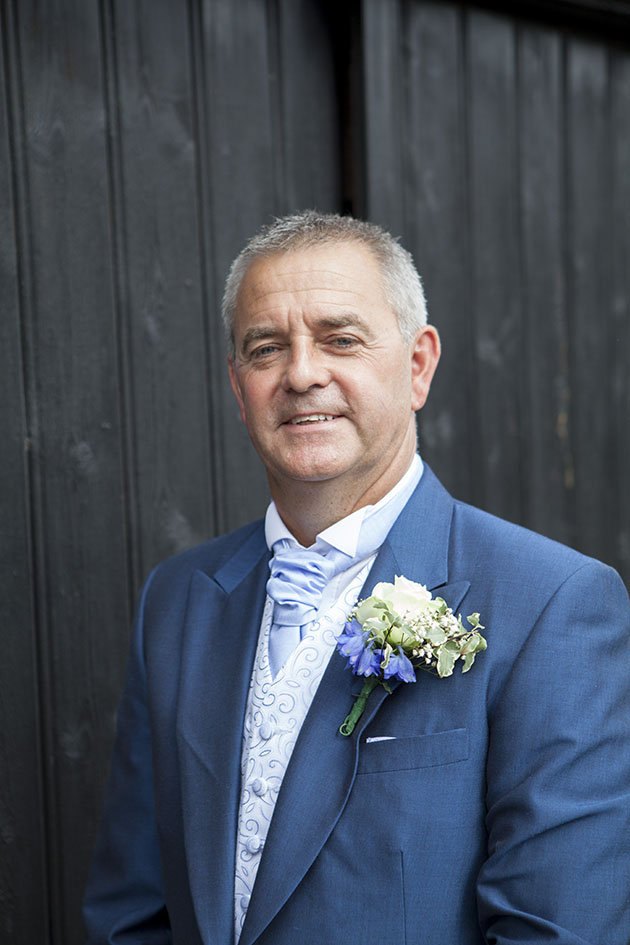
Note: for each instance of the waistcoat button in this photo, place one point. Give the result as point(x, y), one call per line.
point(254, 844)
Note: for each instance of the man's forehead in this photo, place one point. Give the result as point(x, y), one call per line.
point(338, 268)
point(338, 257)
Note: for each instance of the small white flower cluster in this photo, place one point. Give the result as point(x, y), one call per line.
point(404, 616)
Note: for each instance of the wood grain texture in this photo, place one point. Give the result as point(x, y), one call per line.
point(546, 453)
point(435, 201)
point(23, 880)
point(590, 202)
point(383, 113)
point(619, 373)
point(161, 304)
point(496, 307)
point(80, 516)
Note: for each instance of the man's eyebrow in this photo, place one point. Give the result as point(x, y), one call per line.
point(346, 320)
point(259, 333)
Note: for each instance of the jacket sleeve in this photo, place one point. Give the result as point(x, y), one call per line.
point(558, 775)
point(124, 903)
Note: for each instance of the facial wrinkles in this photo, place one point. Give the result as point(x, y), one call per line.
point(305, 333)
point(259, 302)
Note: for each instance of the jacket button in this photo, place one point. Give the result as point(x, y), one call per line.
point(267, 730)
point(259, 786)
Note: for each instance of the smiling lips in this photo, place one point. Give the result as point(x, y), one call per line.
point(312, 418)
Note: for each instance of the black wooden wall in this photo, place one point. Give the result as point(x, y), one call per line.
point(141, 142)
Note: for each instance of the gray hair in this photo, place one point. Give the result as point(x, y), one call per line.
point(400, 279)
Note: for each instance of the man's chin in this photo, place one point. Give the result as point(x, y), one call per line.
point(308, 472)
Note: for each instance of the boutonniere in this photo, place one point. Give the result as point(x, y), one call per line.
point(399, 628)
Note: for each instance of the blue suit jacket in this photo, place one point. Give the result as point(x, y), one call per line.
point(499, 813)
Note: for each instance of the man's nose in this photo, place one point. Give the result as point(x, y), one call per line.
point(305, 367)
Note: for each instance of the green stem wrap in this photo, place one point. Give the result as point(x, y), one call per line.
point(347, 727)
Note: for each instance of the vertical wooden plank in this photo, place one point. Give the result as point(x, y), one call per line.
point(590, 305)
point(80, 514)
point(547, 456)
point(310, 126)
point(22, 822)
point(161, 291)
point(495, 298)
point(435, 201)
point(620, 294)
point(384, 113)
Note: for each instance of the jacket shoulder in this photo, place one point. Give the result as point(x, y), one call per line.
point(512, 552)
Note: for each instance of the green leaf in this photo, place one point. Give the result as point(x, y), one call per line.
point(473, 620)
point(446, 662)
point(471, 644)
point(435, 636)
point(469, 659)
point(440, 606)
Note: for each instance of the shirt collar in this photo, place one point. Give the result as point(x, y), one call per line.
point(344, 534)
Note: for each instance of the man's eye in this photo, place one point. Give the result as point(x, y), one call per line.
point(343, 341)
point(263, 350)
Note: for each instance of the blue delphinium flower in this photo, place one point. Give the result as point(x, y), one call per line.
point(354, 643)
point(369, 662)
point(400, 666)
point(353, 639)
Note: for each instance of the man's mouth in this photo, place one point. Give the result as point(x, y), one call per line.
point(313, 418)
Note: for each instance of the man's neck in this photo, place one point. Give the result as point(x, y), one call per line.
point(307, 508)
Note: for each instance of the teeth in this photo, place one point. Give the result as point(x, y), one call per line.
point(313, 418)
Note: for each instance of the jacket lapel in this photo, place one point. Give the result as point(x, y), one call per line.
point(324, 763)
point(219, 644)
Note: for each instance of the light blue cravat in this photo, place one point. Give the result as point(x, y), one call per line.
point(298, 578)
point(300, 575)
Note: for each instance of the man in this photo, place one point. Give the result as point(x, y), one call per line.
point(486, 807)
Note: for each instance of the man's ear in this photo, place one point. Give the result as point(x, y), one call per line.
point(425, 354)
point(236, 387)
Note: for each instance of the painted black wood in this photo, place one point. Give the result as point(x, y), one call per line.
point(500, 167)
point(604, 17)
point(23, 874)
point(79, 511)
point(589, 206)
point(546, 446)
point(619, 314)
point(160, 304)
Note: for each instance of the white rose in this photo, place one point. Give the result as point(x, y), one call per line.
point(404, 596)
point(368, 613)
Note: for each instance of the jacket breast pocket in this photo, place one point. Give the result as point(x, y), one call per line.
point(415, 751)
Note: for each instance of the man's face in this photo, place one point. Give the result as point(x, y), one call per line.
point(326, 385)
